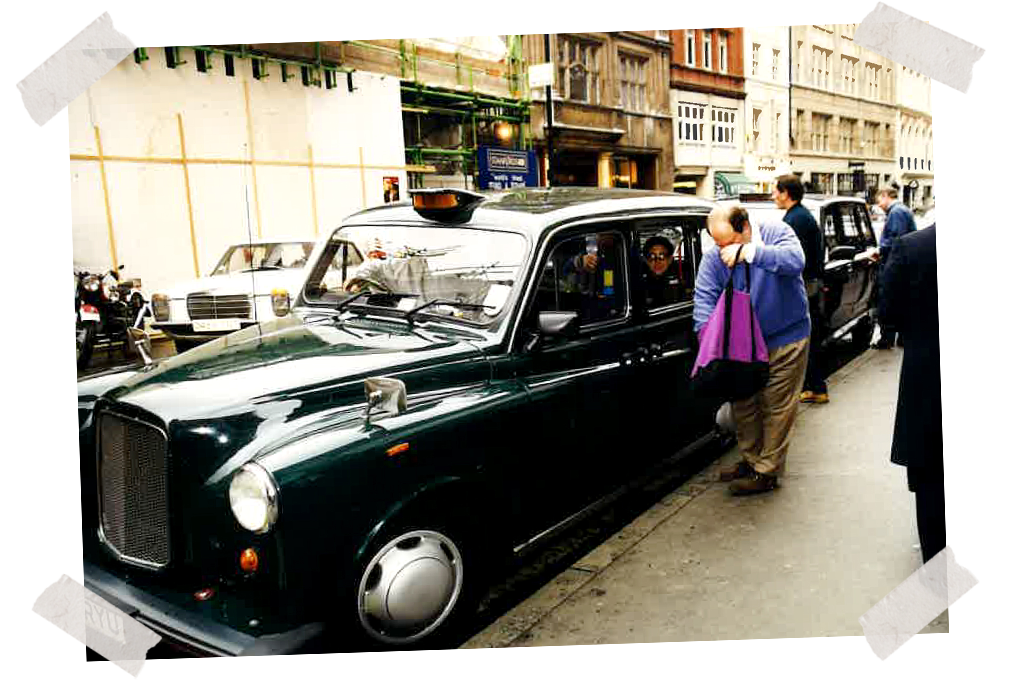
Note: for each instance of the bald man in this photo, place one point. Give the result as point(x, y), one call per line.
point(776, 260)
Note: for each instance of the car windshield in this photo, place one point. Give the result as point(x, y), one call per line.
point(238, 258)
point(464, 274)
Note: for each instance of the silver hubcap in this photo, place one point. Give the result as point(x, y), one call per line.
point(410, 587)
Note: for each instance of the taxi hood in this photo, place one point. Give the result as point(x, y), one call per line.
point(293, 360)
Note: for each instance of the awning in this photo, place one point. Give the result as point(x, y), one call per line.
point(734, 183)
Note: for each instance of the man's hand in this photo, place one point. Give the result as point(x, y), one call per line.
point(590, 262)
point(729, 254)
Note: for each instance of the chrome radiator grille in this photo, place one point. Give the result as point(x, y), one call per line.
point(200, 306)
point(134, 500)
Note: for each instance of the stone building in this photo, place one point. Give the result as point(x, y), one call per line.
point(611, 109)
point(843, 116)
point(707, 98)
point(915, 139)
point(766, 78)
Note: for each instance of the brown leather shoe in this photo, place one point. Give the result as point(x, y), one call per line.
point(755, 483)
point(737, 471)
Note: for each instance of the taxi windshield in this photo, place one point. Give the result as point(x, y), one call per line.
point(238, 258)
point(463, 274)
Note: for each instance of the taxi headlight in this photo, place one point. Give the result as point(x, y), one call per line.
point(280, 302)
point(160, 307)
point(91, 283)
point(253, 497)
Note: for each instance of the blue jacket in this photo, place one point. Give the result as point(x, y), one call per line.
point(777, 285)
point(898, 222)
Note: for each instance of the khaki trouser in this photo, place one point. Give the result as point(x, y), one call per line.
point(765, 421)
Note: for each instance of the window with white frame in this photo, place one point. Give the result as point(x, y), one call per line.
point(706, 50)
point(689, 46)
point(847, 127)
point(820, 66)
point(690, 123)
point(849, 66)
point(777, 134)
point(799, 136)
point(819, 131)
point(633, 82)
point(724, 126)
point(756, 127)
point(723, 54)
point(578, 69)
point(872, 72)
point(775, 64)
point(755, 55)
point(799, 59)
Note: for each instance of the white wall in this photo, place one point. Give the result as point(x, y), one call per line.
point(138, 110)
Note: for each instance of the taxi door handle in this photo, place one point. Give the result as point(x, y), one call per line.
point(636, 356)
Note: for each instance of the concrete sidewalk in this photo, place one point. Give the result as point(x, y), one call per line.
point(805, 561)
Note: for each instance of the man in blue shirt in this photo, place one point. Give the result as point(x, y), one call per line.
point(898, 222)
point(776, 259)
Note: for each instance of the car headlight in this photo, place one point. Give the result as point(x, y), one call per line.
point(160, 307)
point(280, 302)
point(253, 498)
point(92, 283)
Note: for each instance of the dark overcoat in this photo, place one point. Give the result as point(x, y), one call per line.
point(909, 303)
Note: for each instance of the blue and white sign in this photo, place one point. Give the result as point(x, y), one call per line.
point(506, 168)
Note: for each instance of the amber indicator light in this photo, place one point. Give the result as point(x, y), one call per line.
point(398, 448)
point(249, 560)
point(434, 201)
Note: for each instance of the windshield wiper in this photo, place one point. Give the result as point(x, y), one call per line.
point(349, 300)
point(452, 303)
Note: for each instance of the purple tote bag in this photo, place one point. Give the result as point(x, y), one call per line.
point(732, 362)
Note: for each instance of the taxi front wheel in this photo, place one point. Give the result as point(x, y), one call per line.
point(416, 585)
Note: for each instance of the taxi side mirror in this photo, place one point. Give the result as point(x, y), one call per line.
point(558, 324)
point(386, 395)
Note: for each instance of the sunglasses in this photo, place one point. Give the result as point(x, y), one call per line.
point(657, 257)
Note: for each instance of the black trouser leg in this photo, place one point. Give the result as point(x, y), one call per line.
point(814, 380)
point(930, 517)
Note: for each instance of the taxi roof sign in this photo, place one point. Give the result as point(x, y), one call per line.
point(445, 205)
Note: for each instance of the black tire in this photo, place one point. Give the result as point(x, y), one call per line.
point(863, 331)
point(86, 333)
point(442, 627)
point(184, 345)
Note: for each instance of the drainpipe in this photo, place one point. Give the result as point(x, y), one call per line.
point(789, 113)
point(549, 115)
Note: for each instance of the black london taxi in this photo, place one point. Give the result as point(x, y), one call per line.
point(493, 369)
point(849, 295)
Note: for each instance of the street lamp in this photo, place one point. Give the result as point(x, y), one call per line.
point(504, 131)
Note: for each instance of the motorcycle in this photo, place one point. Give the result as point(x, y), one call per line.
point(105, 308)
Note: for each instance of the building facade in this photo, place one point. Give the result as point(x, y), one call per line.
point(766, 77)
point(915, 140)
point(707, 97)
point(464, 91)
point(843, 116)
point(611, 110)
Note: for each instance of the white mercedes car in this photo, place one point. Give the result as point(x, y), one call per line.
point(252, 282)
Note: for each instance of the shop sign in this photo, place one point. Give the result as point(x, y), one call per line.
point(506, 168)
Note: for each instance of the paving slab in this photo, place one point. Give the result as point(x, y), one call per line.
point(807, 560)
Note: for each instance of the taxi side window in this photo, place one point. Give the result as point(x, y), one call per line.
point(585, 274)
point(850, 230)
point(665, 265)
point(831, 236)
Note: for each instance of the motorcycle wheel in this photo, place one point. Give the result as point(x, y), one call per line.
point(85, 343)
